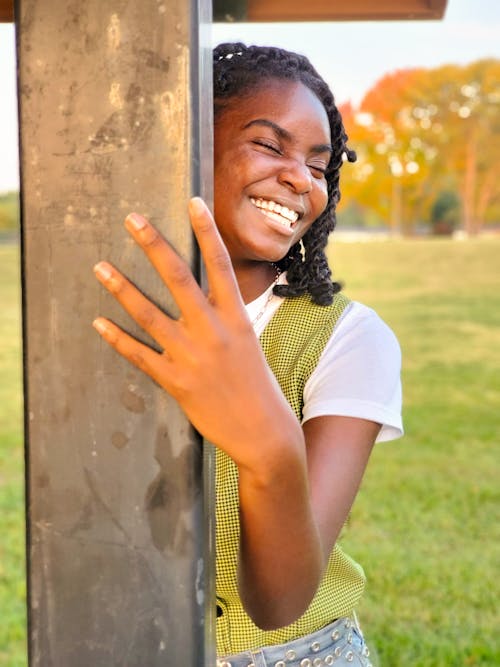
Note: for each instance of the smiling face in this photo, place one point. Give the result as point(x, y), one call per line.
point(271, 151)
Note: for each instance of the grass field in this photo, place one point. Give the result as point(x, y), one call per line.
point(425, 525)
point(12, 587)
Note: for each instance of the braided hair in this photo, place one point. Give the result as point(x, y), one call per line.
point(238, 71)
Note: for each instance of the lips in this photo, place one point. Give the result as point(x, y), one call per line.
point(276, 211)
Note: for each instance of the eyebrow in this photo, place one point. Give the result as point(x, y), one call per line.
point(284, 134)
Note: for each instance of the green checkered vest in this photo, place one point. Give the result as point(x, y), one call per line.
point(292, 343)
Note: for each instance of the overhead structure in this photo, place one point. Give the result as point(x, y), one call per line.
point(310, 10)
point(326, 10)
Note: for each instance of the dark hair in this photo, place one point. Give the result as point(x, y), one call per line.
point(239, 69)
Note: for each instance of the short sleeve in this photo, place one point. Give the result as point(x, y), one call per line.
point(359, 373)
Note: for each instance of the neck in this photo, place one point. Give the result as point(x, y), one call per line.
point(254, 279)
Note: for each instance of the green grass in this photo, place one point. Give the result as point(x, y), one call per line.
point(12, 571)
point(424, 525)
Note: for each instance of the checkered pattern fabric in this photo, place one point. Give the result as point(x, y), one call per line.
point(292, 342)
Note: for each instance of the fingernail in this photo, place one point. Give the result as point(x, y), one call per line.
point(103, 271)
point(197, 205)
point(99, 325)
point(136, 221)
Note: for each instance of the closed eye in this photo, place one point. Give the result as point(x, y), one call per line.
point(267, 145)
point(320, 169)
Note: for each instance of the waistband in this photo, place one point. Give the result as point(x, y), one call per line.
point(339, 640)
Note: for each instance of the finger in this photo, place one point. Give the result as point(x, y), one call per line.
point(148, 316)
point(173, 270)
point(142, 356)
point(220, 273)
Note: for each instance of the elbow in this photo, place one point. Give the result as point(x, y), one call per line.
point(275, 613)
point(269, 622)
point(274, 597)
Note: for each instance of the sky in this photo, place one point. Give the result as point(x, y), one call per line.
point(351, 56)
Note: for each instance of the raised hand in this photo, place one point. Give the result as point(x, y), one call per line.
point(211, 362)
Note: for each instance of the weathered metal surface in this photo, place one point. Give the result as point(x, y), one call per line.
point(109, 110)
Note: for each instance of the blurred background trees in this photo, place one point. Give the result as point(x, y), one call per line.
point(428, 145)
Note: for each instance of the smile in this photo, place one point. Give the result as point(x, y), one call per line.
point(276, 212)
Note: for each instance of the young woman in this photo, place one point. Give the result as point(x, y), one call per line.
point(294, 414)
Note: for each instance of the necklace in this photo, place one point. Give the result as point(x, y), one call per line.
point(269, 297)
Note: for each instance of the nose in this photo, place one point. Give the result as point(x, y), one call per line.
point(296, 176)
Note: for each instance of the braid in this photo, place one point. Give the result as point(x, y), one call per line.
point(238, 71)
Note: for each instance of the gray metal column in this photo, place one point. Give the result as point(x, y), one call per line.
point(111, 97)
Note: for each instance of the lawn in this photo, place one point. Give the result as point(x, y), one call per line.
point(425, 525)
point(12, 586)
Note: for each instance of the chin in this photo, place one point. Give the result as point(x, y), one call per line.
point(273, 253)
point(273, 258)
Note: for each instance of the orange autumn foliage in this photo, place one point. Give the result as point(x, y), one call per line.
point(420, 132)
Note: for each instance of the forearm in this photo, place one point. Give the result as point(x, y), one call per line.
point(281, 555)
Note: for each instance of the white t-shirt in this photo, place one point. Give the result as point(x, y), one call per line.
point(358, 374)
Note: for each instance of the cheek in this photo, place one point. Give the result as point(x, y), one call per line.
point(223, 182)
point(230, 171)
point(321, 198)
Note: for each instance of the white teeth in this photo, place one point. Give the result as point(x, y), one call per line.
point(278, 218)
point(277, 210)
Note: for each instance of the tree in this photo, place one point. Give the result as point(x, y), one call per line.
point(419, 132)
point(445, 212)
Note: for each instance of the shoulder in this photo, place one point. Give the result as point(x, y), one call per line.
point(362, 327)
point(358, 373)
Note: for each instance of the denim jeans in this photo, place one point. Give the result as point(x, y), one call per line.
point(341, 644)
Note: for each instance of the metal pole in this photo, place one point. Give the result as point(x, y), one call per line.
point(110, 109)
